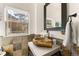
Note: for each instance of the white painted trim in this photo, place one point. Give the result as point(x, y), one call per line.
point(35, 6)
point(21, 34)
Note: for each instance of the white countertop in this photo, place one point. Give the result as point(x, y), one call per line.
point(43, 51)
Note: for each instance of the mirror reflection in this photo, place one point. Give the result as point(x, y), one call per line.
point(53, 16)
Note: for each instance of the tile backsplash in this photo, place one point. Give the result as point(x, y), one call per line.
point(16, 46)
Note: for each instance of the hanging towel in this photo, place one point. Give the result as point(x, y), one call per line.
point(71, 36)
point(67, 40)
point(75, 37)
point(76, 33)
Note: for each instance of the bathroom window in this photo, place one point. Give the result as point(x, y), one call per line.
point(17, 21)
point(18, 27)
point(15, 15)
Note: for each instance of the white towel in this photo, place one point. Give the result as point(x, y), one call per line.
point(75, 36)
point(66, 41)
point(75, 33)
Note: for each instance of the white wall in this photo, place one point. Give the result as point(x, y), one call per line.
point(36, 13)
point(40, 17)
point(73, 8)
